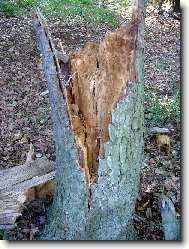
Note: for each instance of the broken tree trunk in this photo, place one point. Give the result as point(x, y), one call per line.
point(97, 111)
point(21, 185)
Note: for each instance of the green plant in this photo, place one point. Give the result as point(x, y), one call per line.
point(6, 8)
point(99, 15)
point(4, 235)
point(87, 9)
point(164, 63)
point(161, 111)
point(121, 6)
point(16, 7)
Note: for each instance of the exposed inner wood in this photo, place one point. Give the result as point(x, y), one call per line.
point(100, 73)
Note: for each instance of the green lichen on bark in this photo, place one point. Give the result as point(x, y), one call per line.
point(114, 195)
point(69, 208)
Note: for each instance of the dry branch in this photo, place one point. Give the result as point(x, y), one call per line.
point(21, 185)
point(158, 130)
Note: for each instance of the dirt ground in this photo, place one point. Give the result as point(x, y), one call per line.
point(26, 114)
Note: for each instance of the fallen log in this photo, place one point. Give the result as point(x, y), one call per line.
point(21, 185)
point(158, 130)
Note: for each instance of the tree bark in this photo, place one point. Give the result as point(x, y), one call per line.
point(176, 5)
point(97, 112)
point(170, 221)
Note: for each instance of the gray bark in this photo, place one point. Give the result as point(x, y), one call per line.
point(170, 222)
point(113, 196)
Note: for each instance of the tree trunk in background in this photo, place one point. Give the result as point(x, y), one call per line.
point(98, 130)
point(176, 5)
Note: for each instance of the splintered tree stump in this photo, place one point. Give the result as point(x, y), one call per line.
point(99, 76)
point(93, 93)
point(97, 111)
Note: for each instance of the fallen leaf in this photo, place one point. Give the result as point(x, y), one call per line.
point(24, 139)
point(44, 93)
point(149, 213)
point(163, 143)
point(31, 154)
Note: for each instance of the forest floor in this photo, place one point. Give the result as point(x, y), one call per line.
point(26, 115)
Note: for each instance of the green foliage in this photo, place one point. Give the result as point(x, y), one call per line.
point(161, 111)
point(121, 5)
point(152, 2)
point(15, 7)
point(99, 15)
point(4, 235)
point(7, 7)
point(87, 9)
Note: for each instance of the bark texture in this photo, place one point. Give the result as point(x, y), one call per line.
point(98, 129)
point(170, 222)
